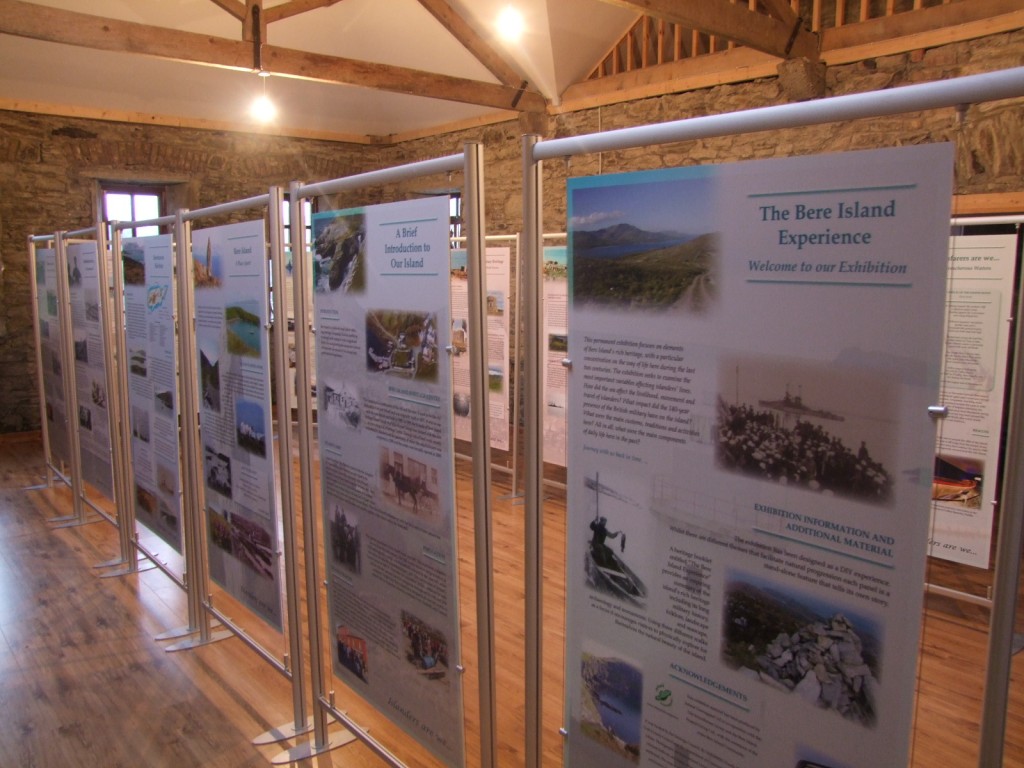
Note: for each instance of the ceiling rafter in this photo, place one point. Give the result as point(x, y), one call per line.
point(235, 7)
point(735, 22)
point(294, 8)
point(472, 41)
point(781, 10)
point(37, 22)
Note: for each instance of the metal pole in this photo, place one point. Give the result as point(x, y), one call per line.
point(384, 176)
point(302, 287)
point(480, 416)
point(972, 89)
point(279, 330)
point(1008, 561)
point(533, 439)
point(517, 387)
point(258, 201)
point(70, 390)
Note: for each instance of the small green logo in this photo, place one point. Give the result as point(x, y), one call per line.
point(663, 695)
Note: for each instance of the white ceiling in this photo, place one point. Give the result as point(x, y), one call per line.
point(564, 40)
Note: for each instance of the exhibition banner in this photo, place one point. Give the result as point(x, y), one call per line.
point(151, 342)
point(973, 383)
point(755, 347)
point(233, 361)
point(50, 349)
point(90, 365)
point(498, 313)
point(556, 330)
point(381, 277)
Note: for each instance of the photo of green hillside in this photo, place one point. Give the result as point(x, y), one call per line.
point(680, 276)
point(644, 242)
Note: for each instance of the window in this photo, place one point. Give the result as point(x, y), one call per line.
point(455, 215)
point(133, 203)
point(307, 221)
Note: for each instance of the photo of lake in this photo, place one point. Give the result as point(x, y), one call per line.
point(243, 328)
point(643, 242)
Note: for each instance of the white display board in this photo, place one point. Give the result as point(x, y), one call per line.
point(381, 310)
point(556, 335)
point(50, 350)
point(755, 347)
point(233, 363)
point(973, 386)
point(150, 340)
point(90, 365)
point(498, 359)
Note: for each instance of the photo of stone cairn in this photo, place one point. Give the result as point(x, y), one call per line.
point(826, 662)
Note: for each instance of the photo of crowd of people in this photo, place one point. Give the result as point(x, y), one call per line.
point(352, 652)
point(425, 647)
point(774, 434)
point(754, 441)
point(345, 540)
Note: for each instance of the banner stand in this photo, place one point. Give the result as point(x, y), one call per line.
point(954, 92)
point(115, 456)
point(471, 163)
point(1008, 544)
point(51, 471)
point(200, 602)
point(516, 388)
point(301, 286)
point(194, 543)
point(125, 480)
point(301, 722)
point(67, 355)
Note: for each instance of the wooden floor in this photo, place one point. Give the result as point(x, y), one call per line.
point(83, 682)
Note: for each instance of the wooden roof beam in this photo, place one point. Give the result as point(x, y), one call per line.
point(37, 22)
point(473, 42)
point(781, 10)
point(235, 7)
point(735, 22)
point(294, 8)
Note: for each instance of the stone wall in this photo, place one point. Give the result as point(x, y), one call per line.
point(989, 138)
point(49, 165)
point(49, 171)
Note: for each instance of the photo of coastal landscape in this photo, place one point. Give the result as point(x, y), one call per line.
point(133, 261)
point(243, 328)
point(611, 701)
point(640, 244)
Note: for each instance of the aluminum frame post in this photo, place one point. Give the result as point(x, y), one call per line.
point(279, 331)
point(533, 439)
point(480, 418)
point(517, 354)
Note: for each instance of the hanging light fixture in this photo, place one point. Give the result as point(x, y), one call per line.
point(262, 109)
